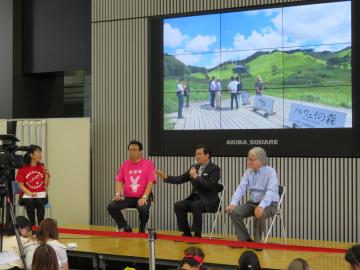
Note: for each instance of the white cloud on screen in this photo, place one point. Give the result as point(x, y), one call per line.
point(200, 43)
point(326, 23)
point(188, 59)
point(173, 36)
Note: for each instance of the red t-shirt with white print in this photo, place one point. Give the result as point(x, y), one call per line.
point(136, 177)
point(33, 178)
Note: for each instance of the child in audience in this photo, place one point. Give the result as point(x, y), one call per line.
point(45, 258)
point(352, 256)
point(48, 234)
point(193, 259)
point(249, 261)
point(10, 242)
point(299, 264)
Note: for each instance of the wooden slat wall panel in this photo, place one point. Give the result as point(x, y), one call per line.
point(321, 201)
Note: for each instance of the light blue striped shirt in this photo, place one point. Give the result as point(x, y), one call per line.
point(263, 186)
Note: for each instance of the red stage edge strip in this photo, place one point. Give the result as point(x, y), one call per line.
point(219, 242)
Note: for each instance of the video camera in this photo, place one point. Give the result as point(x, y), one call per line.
point(8, 158)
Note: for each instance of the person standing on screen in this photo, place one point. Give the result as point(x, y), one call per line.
point(232, 87)
point(187, 92)
point(262, 182)
point(33, 178)
point(133, 188)
point(212, 89)
point(204, 177)
point(259, 85)
point(180, 94)
point(218, 94)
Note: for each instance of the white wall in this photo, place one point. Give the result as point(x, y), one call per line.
point(68, 152)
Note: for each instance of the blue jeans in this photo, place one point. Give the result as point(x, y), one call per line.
point(234, 96)
point(181, 104)
point(212, 103)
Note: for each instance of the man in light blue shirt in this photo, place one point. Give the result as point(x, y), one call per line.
point(262, 182)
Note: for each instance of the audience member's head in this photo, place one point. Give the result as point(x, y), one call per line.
point(193, 258)
point(47, 230)
point(44, 258)
point(24, 227)
point(352, 256)
point(299, 264)
point(249, 261)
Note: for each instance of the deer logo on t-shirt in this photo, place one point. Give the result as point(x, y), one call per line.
point(134, 183)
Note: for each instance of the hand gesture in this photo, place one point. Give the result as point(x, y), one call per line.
point(117, 197)
point(193, 173)
point(142, 201)
point(230, 208)
point(258, 212)
point(161, 174)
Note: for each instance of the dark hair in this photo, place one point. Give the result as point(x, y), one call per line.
point(193, 256)
point(47, 230)
point(352, 255)
point(137, 143)
point(32, 149)
point(249, 261)
point(298, 264)
point(22, 222)
point(206, 149)
point(232, 78)
point(44, 258)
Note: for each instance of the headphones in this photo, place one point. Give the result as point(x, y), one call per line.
point(196, 258)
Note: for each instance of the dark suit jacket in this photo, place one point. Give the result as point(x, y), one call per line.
point(206, 185)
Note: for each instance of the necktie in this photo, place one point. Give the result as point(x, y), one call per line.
point(201, 168)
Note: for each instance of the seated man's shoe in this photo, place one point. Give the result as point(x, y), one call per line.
point(235, 247)
point(256, 249)
point(249, 240)
point(141, 229)
point(186, 234)
point(127, 228)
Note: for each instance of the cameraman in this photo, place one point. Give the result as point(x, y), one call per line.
point(33, 177)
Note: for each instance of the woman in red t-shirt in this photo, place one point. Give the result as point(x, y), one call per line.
point(33, 177)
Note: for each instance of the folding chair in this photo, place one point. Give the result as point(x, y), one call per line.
point(16, 193)
point(134, 210)
point(221, 188)
point(279, 213)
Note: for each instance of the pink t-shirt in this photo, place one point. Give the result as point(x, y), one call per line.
point(136, 177)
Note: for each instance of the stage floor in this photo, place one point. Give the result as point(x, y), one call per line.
point(170, 252)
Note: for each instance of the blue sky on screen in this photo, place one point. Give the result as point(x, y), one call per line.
point(209, 40)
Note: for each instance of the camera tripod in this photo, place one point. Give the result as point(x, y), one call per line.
point(6, 201)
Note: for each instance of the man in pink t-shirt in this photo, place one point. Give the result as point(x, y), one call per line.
point(133, 187)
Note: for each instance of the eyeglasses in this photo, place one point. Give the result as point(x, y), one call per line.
point(252, 159)
point(133, 150)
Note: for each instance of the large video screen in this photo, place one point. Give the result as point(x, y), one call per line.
point(271, 68)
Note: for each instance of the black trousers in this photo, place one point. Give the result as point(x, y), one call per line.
point(114, 208)
point(35, 203)
point(194, 205)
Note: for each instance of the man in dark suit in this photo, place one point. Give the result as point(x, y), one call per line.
point(204, 177)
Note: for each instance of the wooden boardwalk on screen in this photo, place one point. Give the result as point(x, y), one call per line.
point(200, 115)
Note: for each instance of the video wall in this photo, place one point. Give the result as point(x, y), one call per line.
point(272, 68)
